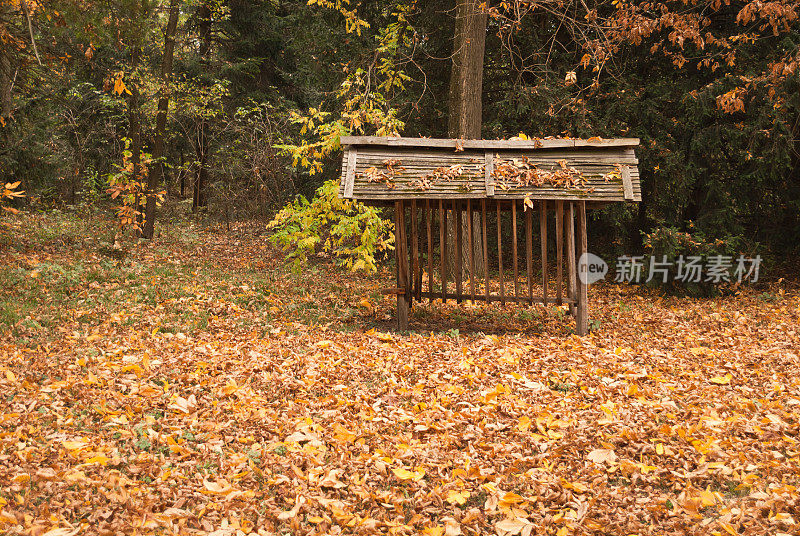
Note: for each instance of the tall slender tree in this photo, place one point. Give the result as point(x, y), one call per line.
point(157, 173)
point(204, 31)
point(465, 100)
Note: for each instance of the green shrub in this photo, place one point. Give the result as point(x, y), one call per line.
point(352, 231)
point(673, 244)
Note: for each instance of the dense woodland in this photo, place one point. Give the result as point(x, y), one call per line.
point(236, 107)
point(180, 355)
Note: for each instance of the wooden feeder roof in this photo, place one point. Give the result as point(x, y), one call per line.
point(378, 170)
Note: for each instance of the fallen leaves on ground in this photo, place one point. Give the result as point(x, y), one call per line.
point(677, 417)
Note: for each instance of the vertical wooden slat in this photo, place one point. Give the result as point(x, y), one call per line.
point(529, 250)
point(559, 249)
point(488, 165)
point(414, 252)
point(543, 240)
point(471, 246)
point(571, 271)
point(459, 251)
point(500, 256)
point(429, 224)
point(485, 248)
point(514, 246)
point(583, 297)
point(350, 177)
point(627, 184)
point(402, 260)
point(443, 249)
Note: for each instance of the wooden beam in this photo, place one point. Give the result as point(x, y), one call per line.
point(529, 248)
point(514, 246)
point(571, 267)
point(471, 245)
point(491, 298)
point(485, 144)
point(485, 248)
point(559, 249)
point(488, 163)
point(627, 185)
point(350, 177)
point(402, 260)
point(543, 241)
point(415, 273)
point(458, 252)
point(443, 248)
point(583, 298)
point(428, 225)
point(500, 256)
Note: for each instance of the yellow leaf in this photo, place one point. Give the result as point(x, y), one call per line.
point(385, 337)
point(102, 460)
point(342, 434)
point(722, 380)
point(659, 449)
point(524, 423)
point(10, 376)
point(221, 487)
point(599, 456)
point(457, 497)
point(405, 474)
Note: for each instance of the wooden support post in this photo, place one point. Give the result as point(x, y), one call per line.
point(428, 225)
point(514, 244)
point(443, 248)
point(471, 245)
point(559, 249)
point(543, 240)
point(571, 269)
point(529, 250)
point(485, 248)
point(582, 321)
point(415, 273)
point(402, 260)
point(500, 256)
point(459, 233)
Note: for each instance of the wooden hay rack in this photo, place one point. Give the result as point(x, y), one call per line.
point(472, 182)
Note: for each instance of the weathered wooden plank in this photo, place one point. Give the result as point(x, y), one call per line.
point(414, 251)
point(571, 268)
point(488, 170)
point(500, 256)
point(484, 225)
point(471, 246)
point(493, 298)
point(442, 248)
point(429, 224)
point(514, 246)
point(582, 321)
point(627, 185)
point(349, 181)
point(485, 144)
point(543, 242)
point(402, 259)
point(458, 252)
point(559, 249)
point(529, 249)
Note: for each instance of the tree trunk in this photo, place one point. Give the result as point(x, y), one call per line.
point(135, 135)
point(465, 107)
point(157, 173)
point(199, 195)
point(5, 83)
